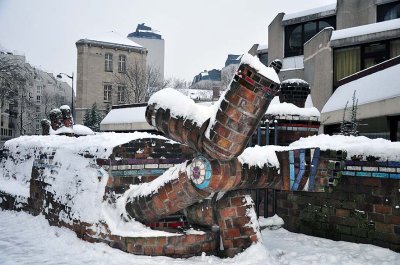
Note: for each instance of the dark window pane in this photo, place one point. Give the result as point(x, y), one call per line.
point(310, 29)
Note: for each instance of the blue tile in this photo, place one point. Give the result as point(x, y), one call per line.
point(363, 174)
point(380, 175)
point(395, 176)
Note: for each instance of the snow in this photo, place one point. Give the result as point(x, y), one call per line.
point(309, 103)
point(125, 115)
point(263, 70)
point(354, 145)
point(80, 129)
point(261, 155)
point(360, 145)
point(371, 88)
point(197, 94)
point(25, 239)
point(366, 29)
point(168, 98)
point(291, 109)
point(323, 11)
point(294, 62)
point(273, 222)
point(113, 38)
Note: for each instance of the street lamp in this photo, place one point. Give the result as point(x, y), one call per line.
point(72, 94)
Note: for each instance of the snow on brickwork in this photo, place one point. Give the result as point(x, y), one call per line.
point(291, 109)
point(263, 70)
point(353, 145)
point(180, 105)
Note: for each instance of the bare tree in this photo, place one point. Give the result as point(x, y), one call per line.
point(140, 81)
point(14, 76)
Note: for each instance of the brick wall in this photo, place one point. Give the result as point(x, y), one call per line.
point(359, 209)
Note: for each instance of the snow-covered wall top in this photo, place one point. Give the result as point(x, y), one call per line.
point(263, 70)
point(360, 145)
point(99, 145)
point(323, 11)
point(371, 88)
point(366, 29)
point(354, 146)
point(291, 109)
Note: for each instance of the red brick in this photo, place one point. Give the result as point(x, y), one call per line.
point(232, 233)
point(393, 219)
point(342, 213)
point(228, 212)
point(237, 201)
point(386, 228)
point(384, 209)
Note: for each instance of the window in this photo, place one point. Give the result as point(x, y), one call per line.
point(37, 125)
point(38, 90)
point(108, 62)
point(350, 60)
point(388, 11)
point(374, 53)
point(37, 108)
point(107, 93)
point(394, 48)
point(38, 99)
point(298, 34)
point(121, 94)
point(122, 64)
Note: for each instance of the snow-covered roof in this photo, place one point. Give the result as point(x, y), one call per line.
point(126, 119)
point(375, 87)
point(366, 29)
point(112, 37)
point(326, 10)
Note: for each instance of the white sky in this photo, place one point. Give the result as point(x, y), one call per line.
point(198, 34)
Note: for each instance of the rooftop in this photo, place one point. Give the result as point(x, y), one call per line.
point(146, 32)
point(110, 38)
point(322, 11)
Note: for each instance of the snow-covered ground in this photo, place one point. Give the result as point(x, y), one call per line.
point(25, 239)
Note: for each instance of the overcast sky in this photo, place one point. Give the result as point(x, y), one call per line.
point(198, 34)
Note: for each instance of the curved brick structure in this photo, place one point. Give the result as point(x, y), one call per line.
point(170, 198)
point(183, 130)
point(240, 111)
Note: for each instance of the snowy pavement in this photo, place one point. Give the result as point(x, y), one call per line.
point(25, 239)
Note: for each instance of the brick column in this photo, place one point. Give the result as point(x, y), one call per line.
point(240, 111)
point(237, 227)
